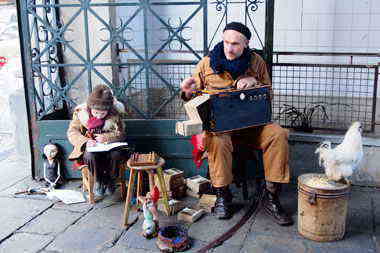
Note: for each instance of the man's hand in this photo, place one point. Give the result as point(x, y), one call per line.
point(188, 86)
point(246, 83)
point(91, 143)
point(100, 138)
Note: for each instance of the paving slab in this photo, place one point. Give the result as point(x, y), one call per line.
point(133, 238)
point(17, 212)
point(263, 224)
point(360, 219)
point(25, 242)
point(110, 216)
point(238, 238)
point(23, 185)
point(196, 245)
point(51, 222)
point(12, 171)
point(375, 195)
point(120, 249)
point(200, 230)
point(9, 226)
point(376, 211)
point(352, 242)
point(22, 208)
point(226, 248)
point(360, 213)
point(77, 208)
point(81, 238)
point(272, 243)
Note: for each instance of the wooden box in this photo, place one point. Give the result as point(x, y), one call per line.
point(198, 184)
point(207, 202)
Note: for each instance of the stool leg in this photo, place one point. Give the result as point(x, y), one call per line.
point(129, 196)
point(84, 183)
point(151, 180)
point(123, 188)
point(84, 179)
point(91, 182)
point(164, 190)
point(139, 185)
point(88, 184)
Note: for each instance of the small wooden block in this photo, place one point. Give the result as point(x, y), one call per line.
point(207, 202)
point(190, 215)
point(173, 179)
point(198, 184)
point(179, 192)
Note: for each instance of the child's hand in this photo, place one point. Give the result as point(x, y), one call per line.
point(91, 143)
point(100, 138)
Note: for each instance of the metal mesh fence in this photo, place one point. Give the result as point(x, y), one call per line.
point(324, 96)
point(307, 96)
point(157, 98)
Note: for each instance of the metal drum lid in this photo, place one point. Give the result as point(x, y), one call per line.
point(320, 181)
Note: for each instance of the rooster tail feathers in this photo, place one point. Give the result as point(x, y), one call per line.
point(326, 145)
point(321, 150)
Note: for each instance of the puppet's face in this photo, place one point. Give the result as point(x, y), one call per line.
point(50, 151)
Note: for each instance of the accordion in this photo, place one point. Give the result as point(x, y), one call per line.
point(227, 111)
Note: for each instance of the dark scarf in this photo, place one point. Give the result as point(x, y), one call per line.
point(94, 124)
point(237, 67)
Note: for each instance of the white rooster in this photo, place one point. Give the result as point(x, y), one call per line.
point(341, 161)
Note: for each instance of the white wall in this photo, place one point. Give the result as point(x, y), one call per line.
point(328, 26)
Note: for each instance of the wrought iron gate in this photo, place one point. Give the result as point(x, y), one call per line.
point(50, 38)
point(141, 49)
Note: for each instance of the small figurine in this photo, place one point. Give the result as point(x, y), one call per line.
point(150, 224)
point(52, 167)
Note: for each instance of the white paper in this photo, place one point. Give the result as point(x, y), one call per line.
point(101, 147)
point(67, 196)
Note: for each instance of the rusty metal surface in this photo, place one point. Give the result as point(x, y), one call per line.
point(322, 213)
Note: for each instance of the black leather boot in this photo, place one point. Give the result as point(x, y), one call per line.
point(223, 200)
point(273, 208)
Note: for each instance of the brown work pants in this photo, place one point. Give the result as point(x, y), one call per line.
point(272, 139)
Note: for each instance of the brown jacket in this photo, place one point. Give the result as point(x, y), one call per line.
point(207, 79)
point(113, 129)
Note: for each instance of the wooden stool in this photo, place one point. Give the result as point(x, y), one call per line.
point(88, 181)
point(151, 170)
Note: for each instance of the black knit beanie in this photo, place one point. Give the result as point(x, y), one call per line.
point(101, 98)
point(239, 27)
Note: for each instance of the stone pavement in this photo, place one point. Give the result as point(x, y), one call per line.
point(36, 224)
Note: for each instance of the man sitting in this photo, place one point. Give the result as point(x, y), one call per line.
point(231, 64)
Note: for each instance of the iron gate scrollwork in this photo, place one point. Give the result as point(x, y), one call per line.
point(141, 49)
